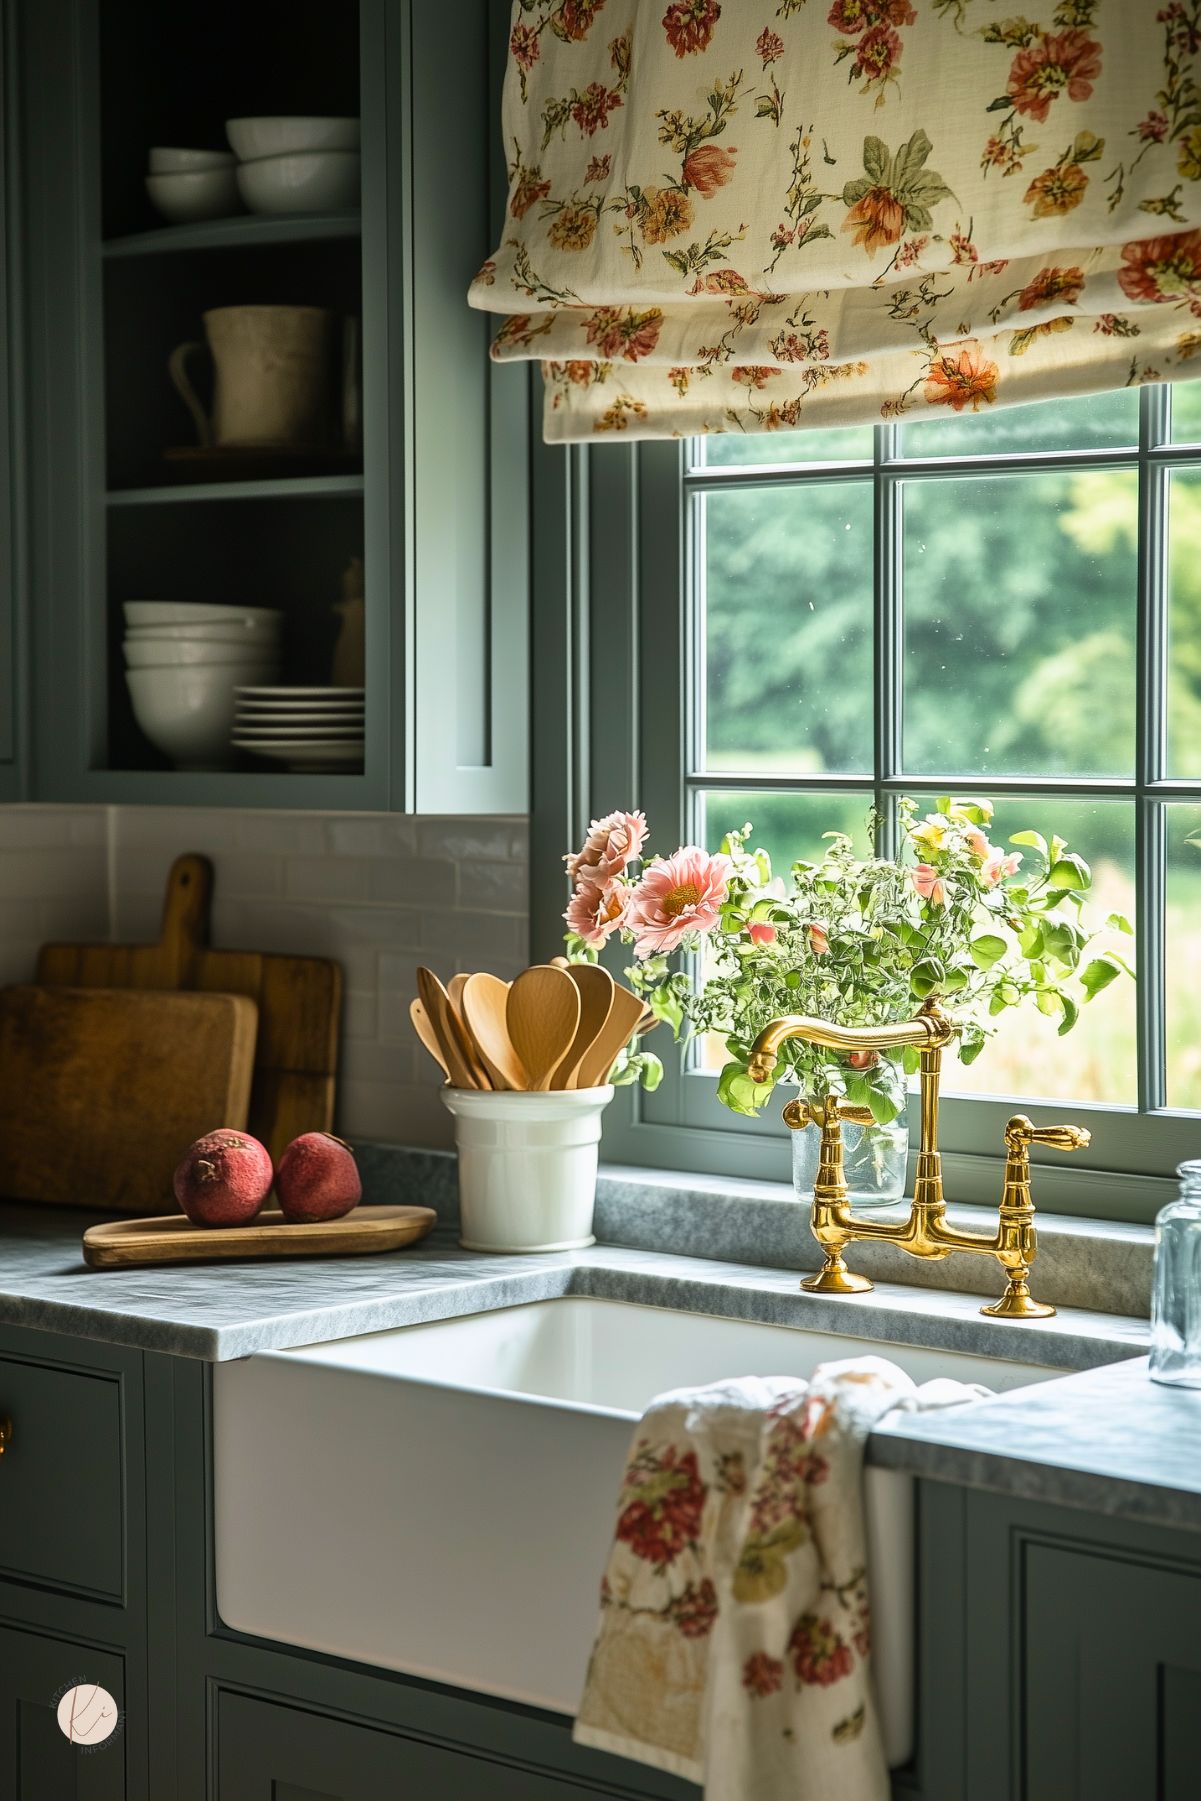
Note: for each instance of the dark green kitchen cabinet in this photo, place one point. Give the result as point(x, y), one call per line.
point(10, 419)
point(267, 1752)
point(431, 495)
point(38, 1761)
point(1083, 1656)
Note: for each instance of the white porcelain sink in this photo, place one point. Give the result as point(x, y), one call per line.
point(440, 1499)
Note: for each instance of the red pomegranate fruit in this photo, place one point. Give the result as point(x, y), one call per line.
point(317, 1179)
point(223, 1179)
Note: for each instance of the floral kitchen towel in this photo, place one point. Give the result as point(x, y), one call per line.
point(735, 1637)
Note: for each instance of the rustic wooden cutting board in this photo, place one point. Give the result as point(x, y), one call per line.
point(126, 1243)
point(102, 1090)
point(298, 998)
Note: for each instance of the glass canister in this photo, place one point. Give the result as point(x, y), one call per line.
point(1176, 1300)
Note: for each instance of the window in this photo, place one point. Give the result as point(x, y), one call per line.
point(1006, 605)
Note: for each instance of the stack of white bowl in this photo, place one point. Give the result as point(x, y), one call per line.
point(187, 185)
point(184, 664)
point(293, 165)
point(302, 728)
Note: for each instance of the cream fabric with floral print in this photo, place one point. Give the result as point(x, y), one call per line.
point(731, 216)
point(734, 1646)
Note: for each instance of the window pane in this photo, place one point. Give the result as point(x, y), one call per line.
point(1096, 1060)
point(788, 628)
point(1184, 622)
point(1183, 956)
point(1089, 422)
point(837, 444)
point(1186, 412)
point(1019, 624)
point(787, 826)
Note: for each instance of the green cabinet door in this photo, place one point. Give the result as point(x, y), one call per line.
point(1112, 1679)
point(1083, 1657)
point(271, 1752)
point(38, 1760)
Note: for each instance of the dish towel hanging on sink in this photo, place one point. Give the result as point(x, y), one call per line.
point(735, 1636)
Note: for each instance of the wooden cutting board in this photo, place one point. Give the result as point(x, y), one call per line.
point(298, 998)
point(126, 1243)
point(102, 1090)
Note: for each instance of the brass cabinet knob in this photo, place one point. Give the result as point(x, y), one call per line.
point(6, 1433)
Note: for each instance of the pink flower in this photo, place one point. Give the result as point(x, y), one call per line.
point(677, 895)
point(977, 843)
point(929, 884)
point(594, 913)
point(762, 933)
point(998, 865)
point(819, 943)
point(611, 845)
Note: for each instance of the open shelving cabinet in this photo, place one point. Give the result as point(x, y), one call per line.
point(436, 505)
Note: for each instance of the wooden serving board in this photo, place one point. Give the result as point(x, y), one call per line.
point(102, 1090)
point(298, 998)
point(126, 1243)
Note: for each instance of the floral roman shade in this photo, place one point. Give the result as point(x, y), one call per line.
point(750, 215)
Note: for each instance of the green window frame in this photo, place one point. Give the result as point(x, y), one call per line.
point(617, 676)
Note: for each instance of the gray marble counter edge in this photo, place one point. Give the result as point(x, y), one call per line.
point(440, 1282)
point(1142, 1499)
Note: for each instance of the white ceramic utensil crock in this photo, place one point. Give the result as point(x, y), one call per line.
point(527, 1167)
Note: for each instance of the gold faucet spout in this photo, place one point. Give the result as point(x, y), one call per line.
point(929, 1029)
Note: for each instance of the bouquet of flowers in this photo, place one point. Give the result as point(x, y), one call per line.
point(859, 941)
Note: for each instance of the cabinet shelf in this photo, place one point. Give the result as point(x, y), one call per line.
point(284, 487)
point(235, 234)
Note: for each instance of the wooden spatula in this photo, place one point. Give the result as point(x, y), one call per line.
point(543, 1015)
point(484, 1001)
point(621, 1025)
point(446, 1029)
point(427, 1035)
point(596, 999)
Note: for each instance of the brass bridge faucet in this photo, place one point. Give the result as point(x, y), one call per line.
point(925, 1233)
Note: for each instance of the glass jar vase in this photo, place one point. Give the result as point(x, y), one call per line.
point(1176, 1292)
point(874, 1161)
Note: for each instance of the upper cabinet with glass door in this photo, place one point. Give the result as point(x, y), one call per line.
point(278, 560)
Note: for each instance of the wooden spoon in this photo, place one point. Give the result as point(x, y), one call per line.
point(427, 1035)
point(444, 1022)
point(484, 1001)
point(454, 994)
point(596, 998)
point(454, 989)
point(542, 1014)
point(623, 1022)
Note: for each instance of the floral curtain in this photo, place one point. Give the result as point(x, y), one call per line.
point(750, 215)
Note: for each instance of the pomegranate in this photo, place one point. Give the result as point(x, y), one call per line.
point(223, 1179)
point(317, 1179)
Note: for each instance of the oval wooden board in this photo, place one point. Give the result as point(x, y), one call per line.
point(125, 1243)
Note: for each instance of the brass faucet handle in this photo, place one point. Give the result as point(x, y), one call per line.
point(798, 1113)
point(1021, 1133)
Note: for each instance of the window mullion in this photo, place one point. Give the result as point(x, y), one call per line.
point(887, 630)
point(1150, 750)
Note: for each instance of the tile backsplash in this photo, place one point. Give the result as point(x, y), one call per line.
point(380, 893)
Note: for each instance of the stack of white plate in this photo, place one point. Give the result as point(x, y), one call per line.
point(184, 661)
point(302, 728)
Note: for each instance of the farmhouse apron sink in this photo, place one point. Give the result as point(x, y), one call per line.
point(439, 1499)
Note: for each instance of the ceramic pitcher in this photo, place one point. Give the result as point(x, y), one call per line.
point(272, 375)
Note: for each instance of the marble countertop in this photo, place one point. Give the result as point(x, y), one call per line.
point(1106, 1438)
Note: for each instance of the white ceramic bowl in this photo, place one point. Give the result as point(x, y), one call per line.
point(282, 136)
point(165, 160)
point(254, 641)
point(194, 194)
point(319, 181)
point(187, 612)
point(188, 713)
point(167, 653)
